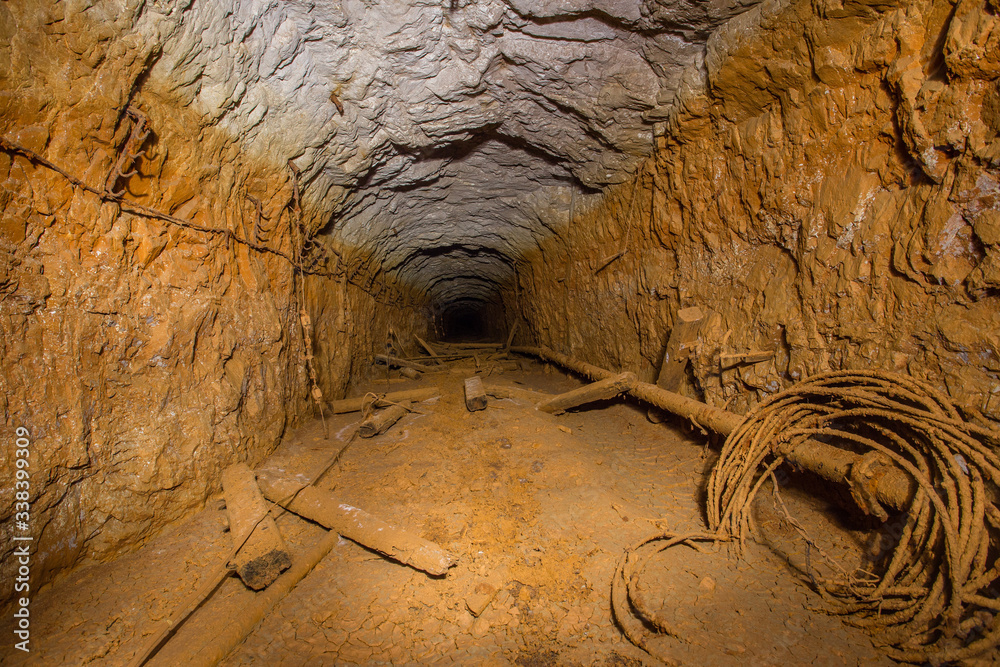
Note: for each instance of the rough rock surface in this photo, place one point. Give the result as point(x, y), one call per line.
point(440, 134)
point(830, 197)
point(821, 176)
point(142, 355)
point(433, 143)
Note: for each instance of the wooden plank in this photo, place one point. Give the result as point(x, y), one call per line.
point(533, 397)
point(355, 524)
point(402, 363)
point(263, 555)
point(358, 404)
point(430, 350)
point(596, 391)
point(473, 346)
point(475, 395)
point(673, 370)
point(382, 420)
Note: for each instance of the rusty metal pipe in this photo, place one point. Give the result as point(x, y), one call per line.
point(892, 487)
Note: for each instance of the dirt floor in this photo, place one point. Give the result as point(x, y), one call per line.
point(539, 510)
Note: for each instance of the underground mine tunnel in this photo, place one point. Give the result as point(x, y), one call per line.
point(496, 332)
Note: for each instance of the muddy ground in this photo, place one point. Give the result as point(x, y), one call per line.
point(539, 508)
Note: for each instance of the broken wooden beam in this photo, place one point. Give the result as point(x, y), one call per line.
point(596, 391)
point(358, 404)
point(263, 554)
point(475, 395)
point(673, 369)
point(410, 373)
point(207, 649)
point(678, 351)
point(383, 419)
point(894, 488)
point(355, 524)
point(430, 350)
point(390, 360)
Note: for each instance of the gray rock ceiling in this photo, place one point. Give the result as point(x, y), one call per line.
point(444, 136)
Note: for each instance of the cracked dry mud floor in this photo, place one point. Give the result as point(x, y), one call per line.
point(540, 507)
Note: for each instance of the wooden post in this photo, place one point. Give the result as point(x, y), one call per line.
point(675, 357)
point(597, 391)
point(382, 420)
point(263, 555)
point(355, 524)
point(358, 404)
point(475, 395)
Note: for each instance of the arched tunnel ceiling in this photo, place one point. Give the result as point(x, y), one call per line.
point(442, 136)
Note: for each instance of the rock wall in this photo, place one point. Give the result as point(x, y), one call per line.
point(826, 190)
point(147, 348)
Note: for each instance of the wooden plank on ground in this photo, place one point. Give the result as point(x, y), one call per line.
point(355, 524)
point(402, 363)
point(475, 395)
point(533, 397)
point(596, 391)
point(358, 404)
point(263, 555)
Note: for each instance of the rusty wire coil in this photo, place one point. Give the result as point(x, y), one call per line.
point(936, 596)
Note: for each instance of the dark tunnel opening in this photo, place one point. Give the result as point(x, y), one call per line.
point(463, 323)
point(470, 320)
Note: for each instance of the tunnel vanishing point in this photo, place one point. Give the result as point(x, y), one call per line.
point(216, 213)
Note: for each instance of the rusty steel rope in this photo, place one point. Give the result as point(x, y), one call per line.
point(935, 597)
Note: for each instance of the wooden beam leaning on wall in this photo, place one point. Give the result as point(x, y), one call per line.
point(673, 370)
point(430, 350)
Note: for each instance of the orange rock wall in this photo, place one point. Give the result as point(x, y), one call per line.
point(831, 196)
point(143, 356)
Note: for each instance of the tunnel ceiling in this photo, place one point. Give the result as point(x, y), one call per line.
point(442, 136)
